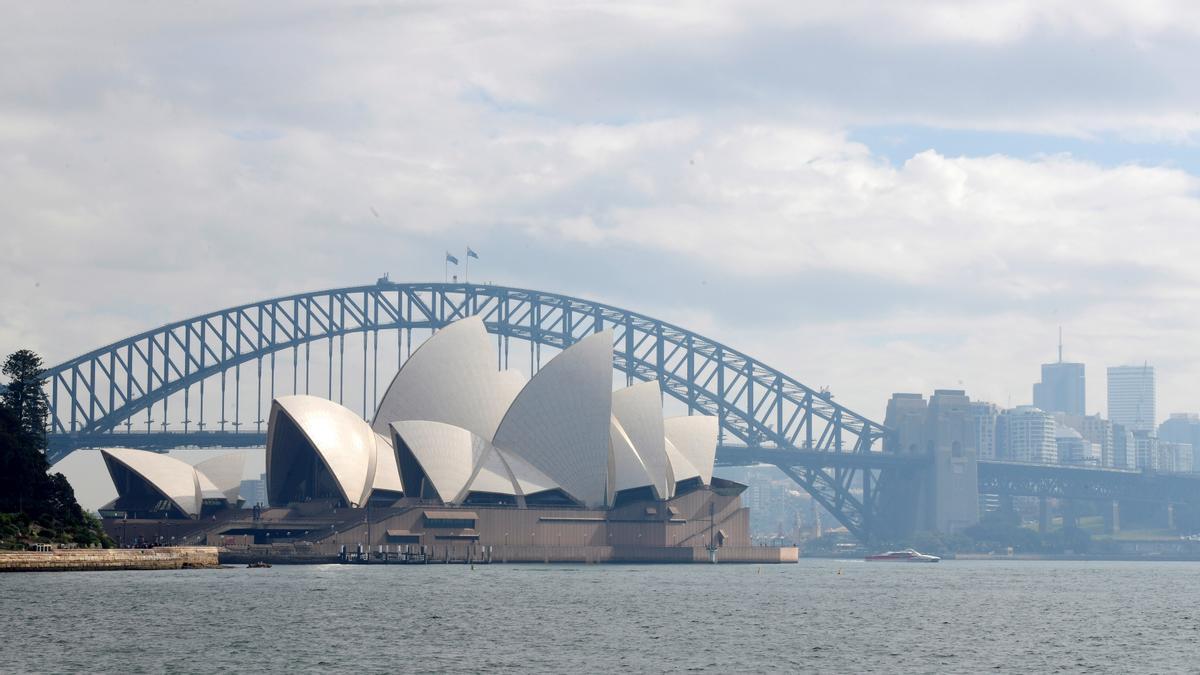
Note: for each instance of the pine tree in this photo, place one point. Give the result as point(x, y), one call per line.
point(24, 397)
point(33, 502)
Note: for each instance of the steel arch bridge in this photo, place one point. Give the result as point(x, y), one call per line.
point(801, 430)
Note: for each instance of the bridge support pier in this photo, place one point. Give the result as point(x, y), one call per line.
point(1070, 513)
point(946, 492)
point(1043, 515)
point(1169, 517)
point(1112, 516)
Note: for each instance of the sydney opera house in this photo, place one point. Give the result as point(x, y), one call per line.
point(461, 457)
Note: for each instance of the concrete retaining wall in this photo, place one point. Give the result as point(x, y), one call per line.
point(325, 552)
point(86, 559)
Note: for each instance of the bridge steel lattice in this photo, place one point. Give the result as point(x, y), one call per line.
point(97, 393)
point(1086, 483)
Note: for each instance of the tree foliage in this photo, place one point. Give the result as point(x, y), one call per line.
point(24, 397)
point(996, 531)
point(34, 505)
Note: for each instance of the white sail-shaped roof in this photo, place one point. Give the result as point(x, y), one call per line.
point(225, 472)
point(342, 440)
point(559, 422)
point(695, 437)
point(528, 479)
point(447, 454)
point(639, 411)
point(451, 378)
point(628, 469)
point(681, 468)
point(491, 475)
point(387, 473)
point(175, 479)
point(207, 488)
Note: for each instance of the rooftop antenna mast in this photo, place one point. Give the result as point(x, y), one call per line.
point(1060, 343)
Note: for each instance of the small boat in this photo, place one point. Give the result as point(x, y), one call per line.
point(259, 564)
point(907, 555)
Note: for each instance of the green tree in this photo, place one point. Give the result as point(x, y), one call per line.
point(24, 397)
point(43, 506)
point(999, 530)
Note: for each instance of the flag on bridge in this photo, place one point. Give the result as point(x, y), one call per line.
point(472, 254)
point(450, 258)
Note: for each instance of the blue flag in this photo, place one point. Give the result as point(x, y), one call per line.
point(472, 254)
point(450, 258)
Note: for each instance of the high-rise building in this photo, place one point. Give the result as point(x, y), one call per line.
point(1174, 457)
point(1183, 428)
point(1131, 397)
point(983, 421)
point(1145, 445)
point(254, 491)
point(1094, 429)
point(1124, 447)
point(1074, 449)
point(1062, 387)
point(1026, 434)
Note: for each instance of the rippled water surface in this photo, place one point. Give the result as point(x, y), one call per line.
point(826, 616)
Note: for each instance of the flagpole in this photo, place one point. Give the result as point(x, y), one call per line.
point(467, 267)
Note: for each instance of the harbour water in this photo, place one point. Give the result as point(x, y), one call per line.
point(816, 616)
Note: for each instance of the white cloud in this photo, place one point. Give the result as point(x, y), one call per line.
point(156, 163)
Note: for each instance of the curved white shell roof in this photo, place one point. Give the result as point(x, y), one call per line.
point(387, 473)
point(447, 454)
point(225, 472)
point(638, 409)
point(175, 479)
point(527, 478)
point(559, 422)
point(344, 442)
point(491, 475)
point(628, 469)
point(457, 462)
point(695, 437)
point(681, 468)
point(451, 378)
point(452, 417)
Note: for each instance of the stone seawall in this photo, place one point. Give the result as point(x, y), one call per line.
point(316, 554)
point(88, 559)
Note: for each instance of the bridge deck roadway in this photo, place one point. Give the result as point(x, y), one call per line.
point(741, 455)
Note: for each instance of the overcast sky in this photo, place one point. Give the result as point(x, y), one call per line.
point(868, 197)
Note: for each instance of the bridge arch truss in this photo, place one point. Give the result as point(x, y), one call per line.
point(96, 394)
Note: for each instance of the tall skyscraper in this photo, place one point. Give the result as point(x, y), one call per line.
point(1131, 397)
point(1062, 387)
